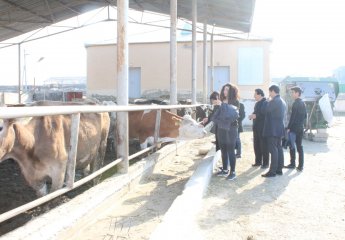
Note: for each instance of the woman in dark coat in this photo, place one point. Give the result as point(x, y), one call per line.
point(227, 129)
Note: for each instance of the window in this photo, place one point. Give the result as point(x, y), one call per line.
point(250, 66)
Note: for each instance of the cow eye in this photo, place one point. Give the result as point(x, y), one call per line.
point(1, 129)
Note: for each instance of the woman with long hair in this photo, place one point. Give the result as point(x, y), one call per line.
point(227, 129)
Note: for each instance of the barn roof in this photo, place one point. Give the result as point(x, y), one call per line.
point(21, 16)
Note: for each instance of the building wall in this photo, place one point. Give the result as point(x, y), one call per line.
point(154, 61)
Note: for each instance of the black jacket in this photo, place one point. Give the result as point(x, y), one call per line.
point(298, 116)
point(242, 115)
point(274, 118)
point(259, 111)
point(226, 116)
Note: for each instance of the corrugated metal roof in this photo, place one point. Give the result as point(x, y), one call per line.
point(21, 16)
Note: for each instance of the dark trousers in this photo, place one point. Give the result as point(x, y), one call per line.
point(298, 145)
point(277, 156)
point(217, 141)
point(228, 155)
point(227, 141)
point(238, 145)
point(260, 148)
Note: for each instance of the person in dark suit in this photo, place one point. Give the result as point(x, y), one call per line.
point(260, 142)
point(295, 129)
point(242, 115)
point(274, 131)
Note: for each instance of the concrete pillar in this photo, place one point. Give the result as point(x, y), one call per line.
point(122, 84)
point(173, 52)
point(205, 87)
point(194, 50)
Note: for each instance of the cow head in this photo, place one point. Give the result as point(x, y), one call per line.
point(7, 137)
point(190, 129)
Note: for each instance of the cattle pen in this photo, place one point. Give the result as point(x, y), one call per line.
point(75, 111)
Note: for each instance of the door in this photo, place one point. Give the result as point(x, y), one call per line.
point(134, 84)
point(221, 77)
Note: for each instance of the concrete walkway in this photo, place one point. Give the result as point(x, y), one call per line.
point(180, 220)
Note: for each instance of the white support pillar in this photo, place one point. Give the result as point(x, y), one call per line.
point(72, 153)
point(211, 65)
point(173, 50)
point(194, 50)
point(122, 84)
point(19, 75)
point(205, 87)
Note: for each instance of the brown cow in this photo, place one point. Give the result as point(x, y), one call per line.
point(142, 126)
point(172, 126)
point(40, 147)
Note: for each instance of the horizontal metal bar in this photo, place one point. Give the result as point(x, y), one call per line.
point(95, 174)
point(141, 152)
point(14, 212)
point(34, 111)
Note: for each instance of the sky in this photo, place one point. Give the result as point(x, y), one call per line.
point(308, 39)
point(308, 35)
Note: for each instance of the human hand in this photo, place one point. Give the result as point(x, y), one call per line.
point(218, 102)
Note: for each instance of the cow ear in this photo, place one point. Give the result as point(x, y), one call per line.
point(177, 121)
point(9, 121)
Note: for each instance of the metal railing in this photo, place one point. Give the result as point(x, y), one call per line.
point(75, 110)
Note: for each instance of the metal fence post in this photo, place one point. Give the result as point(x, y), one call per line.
point(72, 154)
point(157, 126)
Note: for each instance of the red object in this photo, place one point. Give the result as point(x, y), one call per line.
point(71, 96)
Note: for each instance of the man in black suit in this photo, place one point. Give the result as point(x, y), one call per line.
point(258, 117)
point(295, 128)
point(274, 131)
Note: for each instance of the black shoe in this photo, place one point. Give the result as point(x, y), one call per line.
point(238, 155)
point(222, 173)
point(279, 173)
point(299, 169)
point(256, 165)
point(290, 166)
point(268, 174)
point(264, 166)
point(231, 176)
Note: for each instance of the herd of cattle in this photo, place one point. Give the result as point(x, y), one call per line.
point(40, 145)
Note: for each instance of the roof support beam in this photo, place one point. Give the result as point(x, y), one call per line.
point(69, 8)
point(49, 10)
point(16, 21)
point(12, 29)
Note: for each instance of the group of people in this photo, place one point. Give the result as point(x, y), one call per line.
point(269, 128)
